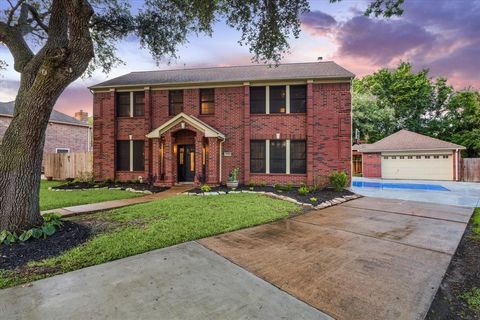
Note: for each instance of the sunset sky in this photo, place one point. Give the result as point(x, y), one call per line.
point(442, 35)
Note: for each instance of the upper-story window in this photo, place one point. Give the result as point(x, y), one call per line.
point(278, 99)
point(207, 101)
point(130, 104)
point(123, 104)
point(138, 104)
point(257, 99)
point(298, 99)
point(175, 102)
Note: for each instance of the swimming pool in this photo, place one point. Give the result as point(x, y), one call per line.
point(399, 185)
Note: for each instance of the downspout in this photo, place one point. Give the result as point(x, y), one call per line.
point(220, 161)
point(457, 162)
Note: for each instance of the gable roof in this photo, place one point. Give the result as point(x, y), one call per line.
point(405, 140)
point(191, 120)
point(6, 109)
point(289, 71)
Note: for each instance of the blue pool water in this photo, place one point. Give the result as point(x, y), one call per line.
point(399, 185)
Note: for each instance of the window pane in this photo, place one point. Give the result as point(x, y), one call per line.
point(123, 104)
point(257, 156)
point(298, 99)
point(123, 155)
point(175, 99)
point(278, 99)
point(257, 99)
point(278, 149)
point(138, 155)
point(207, 101)
point(138, 104)
point(298, 156)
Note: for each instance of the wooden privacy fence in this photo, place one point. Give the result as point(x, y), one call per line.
point(67, 165)
point(471, 169)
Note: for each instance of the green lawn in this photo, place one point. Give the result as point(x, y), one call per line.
point(476, 224)
point(154, 225)
point(59, 199)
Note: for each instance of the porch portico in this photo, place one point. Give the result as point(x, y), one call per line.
point(186, 150)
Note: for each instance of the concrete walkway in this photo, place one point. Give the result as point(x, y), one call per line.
point(459, 193)
point(186, 281)
point(365, 259)
point(107, 205)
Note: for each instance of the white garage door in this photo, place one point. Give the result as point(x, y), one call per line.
point(427, 167)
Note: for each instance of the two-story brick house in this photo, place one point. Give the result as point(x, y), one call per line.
point(282, 124)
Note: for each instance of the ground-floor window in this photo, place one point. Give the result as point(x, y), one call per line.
point(130, 155)
point(278, 156)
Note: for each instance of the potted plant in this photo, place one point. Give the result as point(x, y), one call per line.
point(233, 178)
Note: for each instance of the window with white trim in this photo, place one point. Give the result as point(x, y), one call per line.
point(258, 156)
point(278, 156)
point(258, 100)
point(130, 155)
point(298, 99)
point(131, 104)
point(278, 99)
point(62, 150)
point(298, 156)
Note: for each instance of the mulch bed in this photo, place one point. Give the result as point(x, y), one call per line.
point(17, 254)
point(321, 195)
point(462, 275)
point(121, 185)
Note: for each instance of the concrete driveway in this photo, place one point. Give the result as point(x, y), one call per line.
point(365, 259)
point(465, 194)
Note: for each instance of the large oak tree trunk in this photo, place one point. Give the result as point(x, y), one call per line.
point(44, 76)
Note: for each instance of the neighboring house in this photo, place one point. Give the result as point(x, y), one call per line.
point(64, 133)
point(409, 155)
point(285, 124)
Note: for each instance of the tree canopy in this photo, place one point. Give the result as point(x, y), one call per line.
point(393, 99)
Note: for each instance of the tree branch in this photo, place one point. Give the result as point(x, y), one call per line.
point(13, 39)
point(36, 16)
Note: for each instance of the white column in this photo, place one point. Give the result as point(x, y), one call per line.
point(131, 103)
point(287, 99)
point(287, 148)
point(131, 153)
point(267, 99)
point(267, 156)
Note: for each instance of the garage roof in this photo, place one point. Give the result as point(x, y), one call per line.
point(405, 140)
point(288, 71)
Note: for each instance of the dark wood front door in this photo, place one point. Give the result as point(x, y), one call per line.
point(186, 162)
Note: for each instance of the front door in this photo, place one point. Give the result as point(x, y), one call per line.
point(186, 162)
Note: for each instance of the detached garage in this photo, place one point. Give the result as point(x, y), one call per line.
point(409, 155)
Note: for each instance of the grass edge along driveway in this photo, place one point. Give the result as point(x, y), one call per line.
point(50, 199)
point(153, 225)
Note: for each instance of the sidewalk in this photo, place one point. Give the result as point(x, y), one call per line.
point(107, 205)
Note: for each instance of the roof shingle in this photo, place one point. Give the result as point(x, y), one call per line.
point(289, 71)
point(405, 140)
point(6, 108)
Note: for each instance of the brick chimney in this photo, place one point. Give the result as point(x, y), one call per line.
point(81, 116)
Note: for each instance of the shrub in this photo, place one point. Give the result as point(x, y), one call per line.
point(86, 176)
point(313, 199)
point(283, 187)
point(321, 182)
point(128, 181)
point(233, 175)
point(109, 181)
point(117, 181)
point(251, 184)
point(205, 188)
point(312, 188)
point(303, 191)
point(338, 180)
point(51, 223)
point(263, 184)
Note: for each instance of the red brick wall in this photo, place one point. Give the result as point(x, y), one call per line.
point(328, 115)
point(372, 165)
